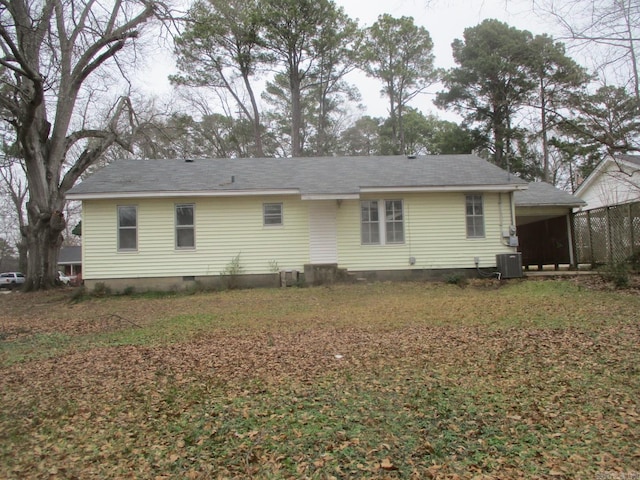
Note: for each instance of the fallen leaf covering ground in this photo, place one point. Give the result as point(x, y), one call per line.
point(525, 379)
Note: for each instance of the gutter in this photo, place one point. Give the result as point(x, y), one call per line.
point(176, 194)
point(293, 191)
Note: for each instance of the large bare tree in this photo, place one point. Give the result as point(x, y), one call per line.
point(54, 53)
point(611, 26)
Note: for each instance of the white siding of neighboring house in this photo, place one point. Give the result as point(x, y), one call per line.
point(435, 234)
point(616, 184)
point(225, 228)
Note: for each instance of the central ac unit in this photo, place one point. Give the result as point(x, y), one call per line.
point(509, 265)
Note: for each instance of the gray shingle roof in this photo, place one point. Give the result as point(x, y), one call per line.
point(69, 255)
point(544, 194)
point(309, 176)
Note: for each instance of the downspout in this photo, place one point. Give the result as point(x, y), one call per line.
point(501, 219)
point(512, 209)
point(512, 217)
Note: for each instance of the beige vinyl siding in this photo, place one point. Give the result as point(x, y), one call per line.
point(224, 228)
point(435, 233)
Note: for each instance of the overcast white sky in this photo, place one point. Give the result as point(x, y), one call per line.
point(444, 19)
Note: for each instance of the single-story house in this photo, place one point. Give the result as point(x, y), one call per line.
point(165, 223)
point(614, 181)
point(544, 225)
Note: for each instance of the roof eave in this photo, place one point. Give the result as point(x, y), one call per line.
point(330, 196)
point(292, 191)
point(179, 194)
point(448, 188)
point(559, 205)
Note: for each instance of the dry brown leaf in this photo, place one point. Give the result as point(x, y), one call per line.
point(386, 464)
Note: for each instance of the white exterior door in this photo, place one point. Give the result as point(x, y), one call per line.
point(323, 237)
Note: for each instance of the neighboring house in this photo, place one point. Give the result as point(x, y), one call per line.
point(615, 181)
point(165, 223)
point(543, 220)
point(608, 228)
point(70, 260)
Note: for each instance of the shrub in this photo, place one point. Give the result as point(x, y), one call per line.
point(231, 272)
point(457, 279)
point(634, 261)
point(617, 273)
point(101, 290)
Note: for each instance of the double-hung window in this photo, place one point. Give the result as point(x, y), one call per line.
point(127, 228)
point(377, 232)
point(370, 222)
point(185, 226)
point(272, 214)
point(475, 216)
point(394, 221)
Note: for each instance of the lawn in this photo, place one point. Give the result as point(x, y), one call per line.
point(523, 379)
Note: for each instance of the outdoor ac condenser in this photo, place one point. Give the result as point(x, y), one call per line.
point(509, 265)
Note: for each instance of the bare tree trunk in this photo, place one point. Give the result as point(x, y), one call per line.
point(22, 254)
point(546, 174)
point(255, 119)
point(498, 135)
point(44, 239)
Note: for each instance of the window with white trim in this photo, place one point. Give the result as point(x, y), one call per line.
point(394, 221)
point(185, 226)
point(370, 222)
point(475, 216)
point(127, 228)
point(272, 214)
point(375, 232)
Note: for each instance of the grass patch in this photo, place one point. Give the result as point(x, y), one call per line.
point(38, 346)
point(532, 379)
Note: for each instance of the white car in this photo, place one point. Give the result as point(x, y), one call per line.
point(11, 280)
point(64, 278)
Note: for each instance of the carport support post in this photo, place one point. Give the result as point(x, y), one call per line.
point(609, 239)
point(571, 236)
point(631, 229)
point(593, 258)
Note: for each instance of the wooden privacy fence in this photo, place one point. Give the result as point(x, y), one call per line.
point(607, 235)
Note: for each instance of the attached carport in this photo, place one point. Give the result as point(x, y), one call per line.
point(543, 221)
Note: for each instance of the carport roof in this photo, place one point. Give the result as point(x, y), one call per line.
point(541, 194)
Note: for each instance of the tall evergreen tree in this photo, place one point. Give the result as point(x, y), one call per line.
point(558, 77)
point(294, 32)
point(491, 83)
point(399, 54)
point(362, 138)
point(221, 49)
point(607, 120)
point(325, 86)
